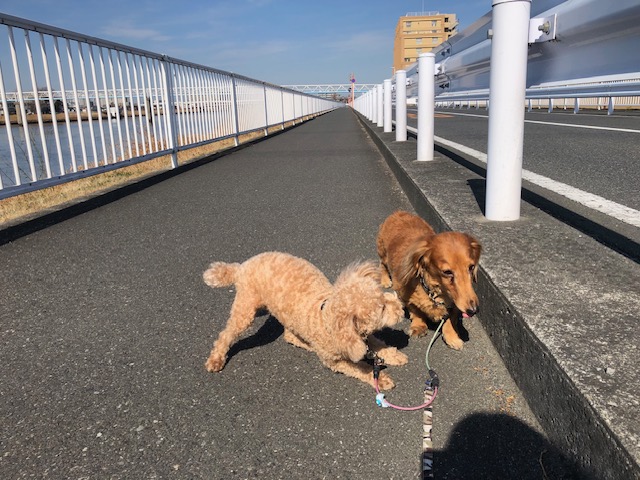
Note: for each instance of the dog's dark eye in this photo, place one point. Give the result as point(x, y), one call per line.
point(447, 273)
point(471, 268)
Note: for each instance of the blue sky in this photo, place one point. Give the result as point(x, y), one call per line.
point(279, 41)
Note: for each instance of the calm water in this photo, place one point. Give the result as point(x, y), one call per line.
point(209, 126)
point(109, 131)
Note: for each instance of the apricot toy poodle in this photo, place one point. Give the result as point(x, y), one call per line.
point(334, 321)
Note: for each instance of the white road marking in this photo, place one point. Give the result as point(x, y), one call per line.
point(592, 127)
point(573, 125)
point(620, 212)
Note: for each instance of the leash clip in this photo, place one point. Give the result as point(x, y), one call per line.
point(378, 363)
point(433, 381)
point(371, 355)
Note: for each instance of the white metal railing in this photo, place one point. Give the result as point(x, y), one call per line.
point(73, 106)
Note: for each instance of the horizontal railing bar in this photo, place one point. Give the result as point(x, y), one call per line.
point(575, 91)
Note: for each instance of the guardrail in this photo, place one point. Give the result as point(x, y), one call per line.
point(517, 54)
point(561, 62)
point(80, 105)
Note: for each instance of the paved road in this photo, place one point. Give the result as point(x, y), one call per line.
point(583, 169)
point(595, 153)
point(105, 324)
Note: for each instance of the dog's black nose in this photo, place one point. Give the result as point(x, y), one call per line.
point(473, 310)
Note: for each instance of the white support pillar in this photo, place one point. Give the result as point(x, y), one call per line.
point(507, 84)
point(388, 126)
point(380, 102)
point(426, 105)
point(401, 106)
point(374, 103)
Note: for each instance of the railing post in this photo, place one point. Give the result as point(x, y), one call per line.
point(387, 106)
point(379, 100)
point(294, 107)
point(401, 106)
point(374, 104)
point(234, 99)
point(282, 105)
point(426, 105)
point(371, 106)
point(367, 109)
point(507, 85)
point(170, 113)
point(266, 110)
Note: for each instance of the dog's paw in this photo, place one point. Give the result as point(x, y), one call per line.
point(454, 343)
point(356, 351)
point(393, 357)
point(418, 330)
point(214, 363)
point(385, 382)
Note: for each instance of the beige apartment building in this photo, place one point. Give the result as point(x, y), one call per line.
point(418, 33)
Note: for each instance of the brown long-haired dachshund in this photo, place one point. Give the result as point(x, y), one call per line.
point(433, 274)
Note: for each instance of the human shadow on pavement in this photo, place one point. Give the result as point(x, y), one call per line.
point(499, 446)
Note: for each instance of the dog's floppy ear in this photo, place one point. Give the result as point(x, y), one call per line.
point(348, 303)
point(413, 264)
point(341, 324)
point(475, 249)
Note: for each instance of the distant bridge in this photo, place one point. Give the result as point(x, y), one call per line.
point(332, 89)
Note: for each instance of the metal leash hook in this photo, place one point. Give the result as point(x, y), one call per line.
point(433, 381)
point(378, 363)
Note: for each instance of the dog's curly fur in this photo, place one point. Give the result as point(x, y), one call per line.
point(334, 321)
point(413, 256)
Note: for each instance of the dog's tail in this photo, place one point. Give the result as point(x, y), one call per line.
point(220, 274)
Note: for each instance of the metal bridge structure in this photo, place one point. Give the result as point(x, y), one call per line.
point(328, 90)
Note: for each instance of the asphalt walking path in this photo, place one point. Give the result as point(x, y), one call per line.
point(105, 324)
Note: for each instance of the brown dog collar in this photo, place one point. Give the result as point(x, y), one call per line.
point(432, 295)
point(434, 298)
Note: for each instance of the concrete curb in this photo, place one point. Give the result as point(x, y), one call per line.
point(565, 392)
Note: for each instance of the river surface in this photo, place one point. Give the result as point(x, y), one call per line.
point(81, 150)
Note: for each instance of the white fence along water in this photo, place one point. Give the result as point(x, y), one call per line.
point(73, 106)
